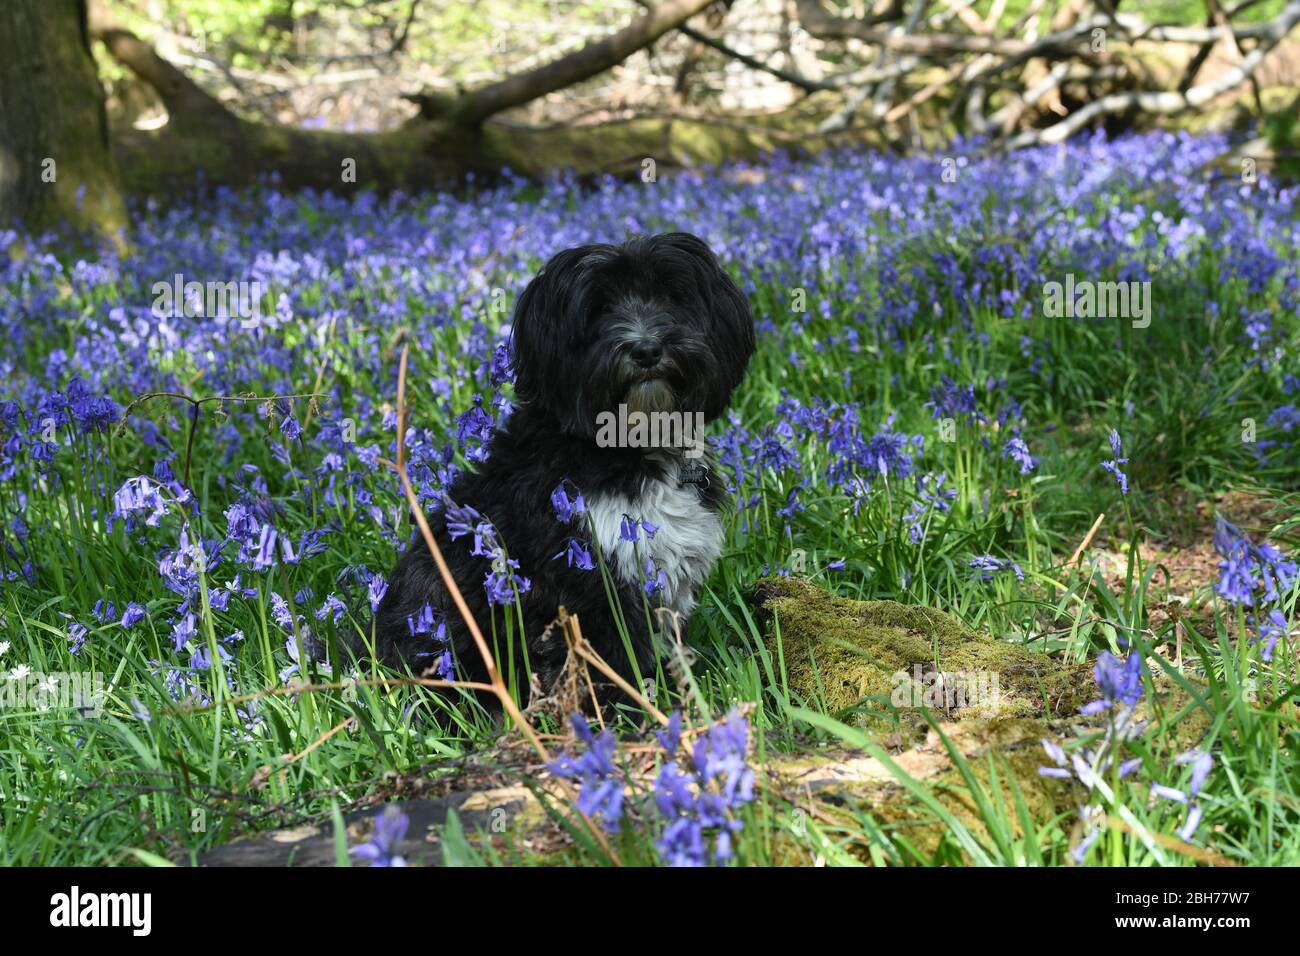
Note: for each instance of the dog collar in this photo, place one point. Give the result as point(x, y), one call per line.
point(693, 475)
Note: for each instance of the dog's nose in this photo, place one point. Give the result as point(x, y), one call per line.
point(647, 353)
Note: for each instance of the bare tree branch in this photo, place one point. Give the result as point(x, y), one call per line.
point(794, 79)
point(594, 58)
point(826, 26)
point(179, 93)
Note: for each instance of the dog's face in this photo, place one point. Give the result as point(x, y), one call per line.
point(653, 324)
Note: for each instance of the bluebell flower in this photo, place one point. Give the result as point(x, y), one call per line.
point(1120, 682)
point(1113, 466)
point(700, 799)
point(950, 400)
point(134, 614)
point(290, 428)
point(1018, 451)
point(502, 368)
point(577, 555)
point(375, 591)
point(446, 666)
point(423, 622)
point(1271, 630)
point(461, 519)
point(140, 494)
point(986, 567)
point(76, 638)
point(296, 666)
point(502, 584)
point(264, 557)
point(381, 849)
point(1202, 763)
point(655, 579)
point(1250, 573)
point(601, 784)
point(566, 507)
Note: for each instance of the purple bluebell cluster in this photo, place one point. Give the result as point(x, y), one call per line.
point(264, 493)
point(699, 794)
point(501, 580)
point(599, 777)
point(1018, 451)
point(1120, 682)
point(1254, 576)
point(1250, 573)
point(569, 510)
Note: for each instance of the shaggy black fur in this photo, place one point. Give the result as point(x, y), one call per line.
point(596, 323)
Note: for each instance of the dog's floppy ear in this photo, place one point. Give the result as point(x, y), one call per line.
point(547, 328)
point(727, 311)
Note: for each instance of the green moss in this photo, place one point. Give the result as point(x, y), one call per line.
point(882, 657)
point(854, 656)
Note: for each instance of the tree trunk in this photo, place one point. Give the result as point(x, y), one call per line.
point(55, 164)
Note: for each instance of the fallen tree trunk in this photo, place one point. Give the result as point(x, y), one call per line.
point(450, 139)
point(437, 154)
point(1013, 89)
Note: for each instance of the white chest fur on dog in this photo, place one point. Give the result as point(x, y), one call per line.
point(685, 547)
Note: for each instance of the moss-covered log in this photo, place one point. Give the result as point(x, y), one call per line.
point(870, 656)
point(219, 148)
point(451, 138)
point(884, 667)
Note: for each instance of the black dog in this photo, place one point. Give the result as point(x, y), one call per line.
point(650, 330)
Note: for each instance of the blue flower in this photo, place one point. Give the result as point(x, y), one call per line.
point(1120, 682)
point(140, 494)
point(566, 508)
point(1202, 762)
point(446, 666)
point(502, 369)
point(376, 590)
point(422, 623)
point(1248, 572)
point(577, 555)
point(76, 638)
point(1018, 451)
point(699, 800)
point(461, 519)
point(950, 400)
point(290, 428)
point(986, 566)
point(1113, 466)
point(502, 584)
point(381, 848)
point(627, 529)
point(655, 579)
point(601, 785)
point(1270, 632)
point(134, 614)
